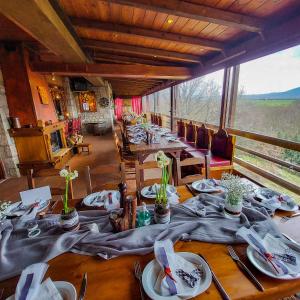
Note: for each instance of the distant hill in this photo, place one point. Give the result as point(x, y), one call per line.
point(287, 95)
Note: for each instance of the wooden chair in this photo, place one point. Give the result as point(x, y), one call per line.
point(55, 191)
point(196, 163)
point(203, 141)
point(103, 171)
point(159, 121)
point(140, 175)
point(180, 129)
point(190, 133)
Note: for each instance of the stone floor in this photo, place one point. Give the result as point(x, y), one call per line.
point(103, 152)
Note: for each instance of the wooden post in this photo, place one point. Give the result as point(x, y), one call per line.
point(233, 95)
point(172, 107)
point(224, 102)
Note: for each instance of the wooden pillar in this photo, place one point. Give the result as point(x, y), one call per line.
point(225, 94)
point(172, 107)
point(16, 83)
point(233, 95)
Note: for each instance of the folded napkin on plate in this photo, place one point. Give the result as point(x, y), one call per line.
point(278, 255)
point(207, 185)
point(177, 276)
point(155, 187)
point(28, 215)
point(111, 200)
point(30, 281)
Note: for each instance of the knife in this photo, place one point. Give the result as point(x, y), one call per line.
point(219, 286)
point(191, 190)
point(83, 287)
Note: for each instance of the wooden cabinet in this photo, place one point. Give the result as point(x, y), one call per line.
point(40, 147)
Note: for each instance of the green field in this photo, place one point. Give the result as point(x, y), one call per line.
point(272, 103)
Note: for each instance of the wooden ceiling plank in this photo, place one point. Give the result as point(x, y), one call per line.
point(111, 70)
point(198, 12)
point(138, 31)
point(121, 58)
point(125, 48)
point(44, 21)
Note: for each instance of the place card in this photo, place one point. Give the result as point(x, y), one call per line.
point(32, 196)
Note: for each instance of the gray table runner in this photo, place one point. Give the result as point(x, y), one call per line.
point(200, 218)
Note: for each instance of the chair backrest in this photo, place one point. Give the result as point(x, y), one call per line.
point(190, 132)
point(33, 174)
point(187, 163)
point(159, 120)
point(223, 144)
point(140, 174)
point(152, 118)
point(104, 171)
point(204, 134)
point(180, 128)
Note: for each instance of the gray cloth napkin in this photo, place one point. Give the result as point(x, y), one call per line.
point(203, 222)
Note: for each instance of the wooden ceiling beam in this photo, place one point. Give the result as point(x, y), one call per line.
point(125, 48)
point(112, 70)
point(147, 33)
point(128, 59)
point(43, 21)
point(197, 12)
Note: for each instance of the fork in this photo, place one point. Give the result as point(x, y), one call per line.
point(235, 257)
point(138, 275)
point(286, 218)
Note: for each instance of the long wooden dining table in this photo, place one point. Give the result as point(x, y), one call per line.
point(114, 278)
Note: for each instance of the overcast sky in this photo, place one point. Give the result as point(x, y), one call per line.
point(277, 72)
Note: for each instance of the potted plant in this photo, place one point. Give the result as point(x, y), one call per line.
point(69, 217)
point(162, 209)
point(236, 190)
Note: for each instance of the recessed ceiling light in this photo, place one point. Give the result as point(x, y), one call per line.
point(170, 21)
point(155, 56)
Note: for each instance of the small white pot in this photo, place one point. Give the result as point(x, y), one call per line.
point(70, 221)
point(233, 210)
point(162, 218)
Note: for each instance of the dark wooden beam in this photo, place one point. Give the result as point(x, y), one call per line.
point(128, 59)
point(197, 12)
point(125, 48)
point(147, 33)
point(112, 70)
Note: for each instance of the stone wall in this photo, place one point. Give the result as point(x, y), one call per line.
point(72, 106)
point(103, 115)
point(8, 152)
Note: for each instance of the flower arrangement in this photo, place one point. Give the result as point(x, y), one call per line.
point(161, 194)
point(236, 189)
point(68, 175)
point(3, 207)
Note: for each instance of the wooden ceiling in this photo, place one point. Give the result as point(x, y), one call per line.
point(158, 33)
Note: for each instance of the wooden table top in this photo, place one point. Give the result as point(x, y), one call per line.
point(162, 145)
point(114, 279)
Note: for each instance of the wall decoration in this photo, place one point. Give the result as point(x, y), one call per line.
point(43, 95)
point(87, 101)
point(104, 102)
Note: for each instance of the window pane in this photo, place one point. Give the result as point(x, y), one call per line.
point(164, 101)
point(200, 99)
point(268, 100)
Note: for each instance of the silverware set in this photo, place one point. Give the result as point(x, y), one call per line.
point(138, 274)
point(236, 258)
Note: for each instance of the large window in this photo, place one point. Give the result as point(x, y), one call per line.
point(268, 98)
point(164, 101)
point(200, 99)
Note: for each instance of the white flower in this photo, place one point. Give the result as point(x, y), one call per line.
point(73, 174)
point(63, 173)
point(162, 159)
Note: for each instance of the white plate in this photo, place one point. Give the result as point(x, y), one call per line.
point(260, 193)
point(66, 289)
point(171, 188)
point(88, 199)
point(152, 270)
point(264, 267)
point(211, 190)
point(42, 205)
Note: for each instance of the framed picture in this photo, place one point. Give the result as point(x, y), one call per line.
point(87, 101)
point(43, 95)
